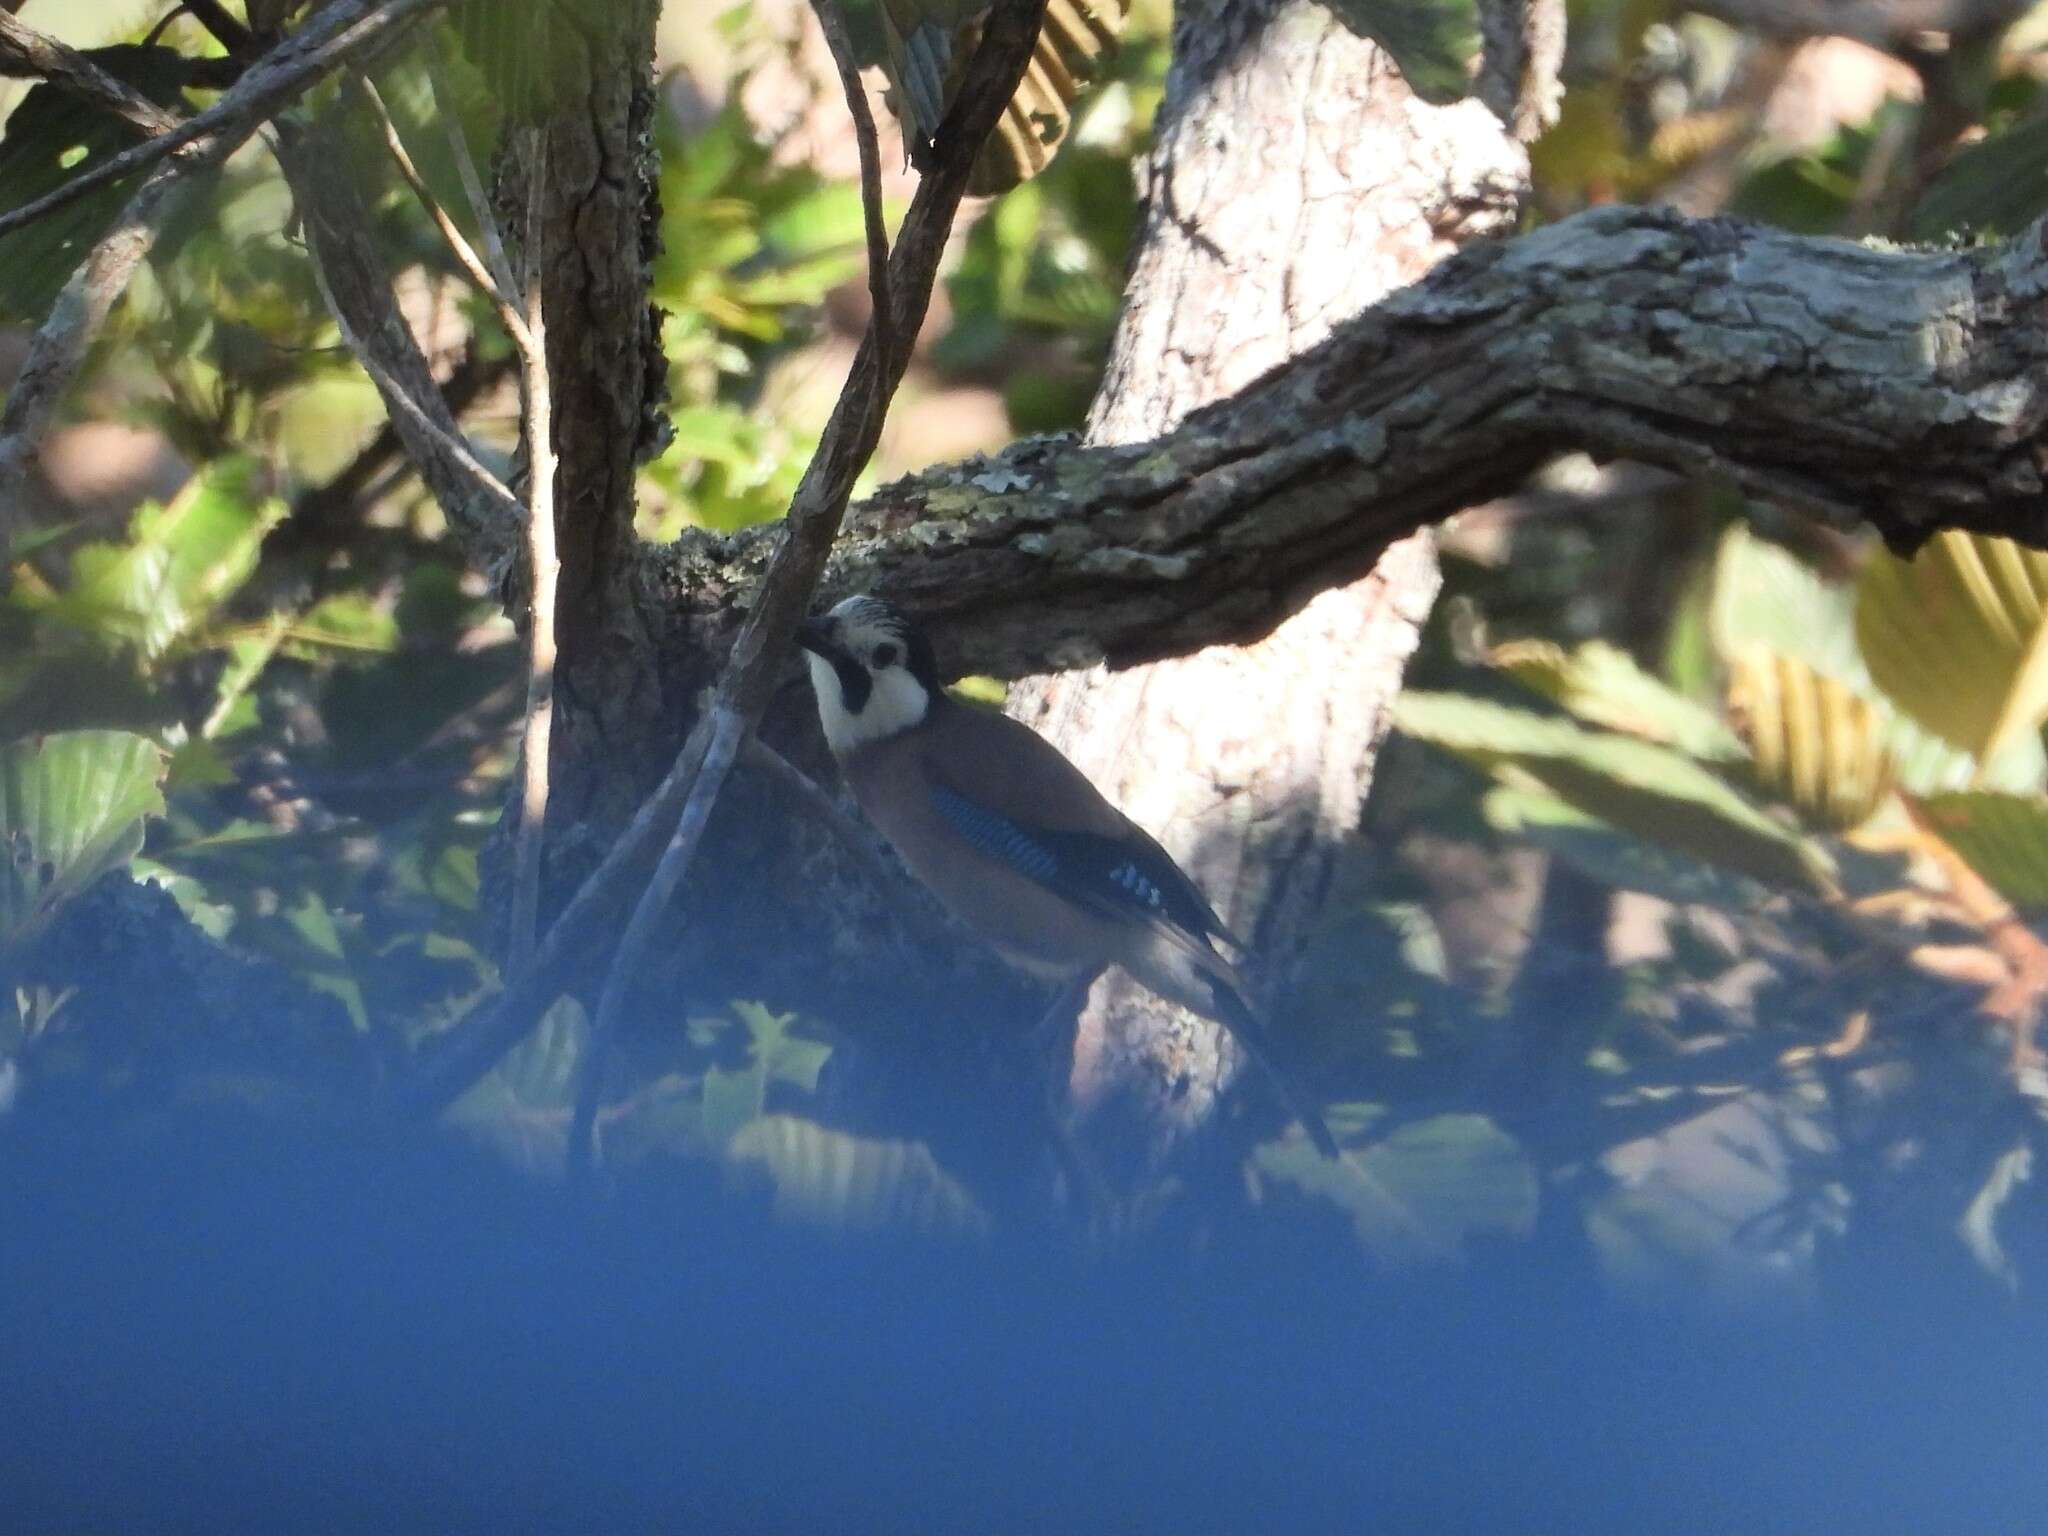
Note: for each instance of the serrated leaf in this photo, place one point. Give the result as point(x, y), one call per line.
point(1616, 858)
point(1766, 597)
point(1957, 638)
point(925, 52)
point(1814, 743)
point(532, 56)
point(1433, 41)
point(1602, 685)
point(72, 807)
point(52, 136)
point(2004, 838)
point(181, 561)
point(1997, 186)
point(1422, 1192)
point(848, 1183)
point(1637, 787)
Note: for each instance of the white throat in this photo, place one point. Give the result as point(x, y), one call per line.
point(896, 702)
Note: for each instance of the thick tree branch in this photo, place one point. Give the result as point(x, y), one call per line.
point(1906, 389)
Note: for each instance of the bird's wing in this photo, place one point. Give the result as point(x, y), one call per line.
point(1103, 859)
point(1126, 878)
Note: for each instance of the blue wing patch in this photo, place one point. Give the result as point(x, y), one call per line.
point(998, 836)
point(1106, 875)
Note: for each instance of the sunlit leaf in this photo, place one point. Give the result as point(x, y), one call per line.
point(1957, 638)
point(2004, 838)
point(1815, 744)
point(180, 563)
point(1603, 686)
point(1635, 786)
point(831, 1179)
point(1614, 857)
point(1763, 597)
point(1421, 1193)
point(72, 807)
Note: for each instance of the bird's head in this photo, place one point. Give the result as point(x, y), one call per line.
point(872, 670)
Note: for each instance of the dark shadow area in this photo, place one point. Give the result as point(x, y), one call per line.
point(218, 1320)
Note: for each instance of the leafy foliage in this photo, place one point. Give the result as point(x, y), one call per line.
point(72, 807)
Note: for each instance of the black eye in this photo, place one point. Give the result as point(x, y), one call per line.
point(885, 655)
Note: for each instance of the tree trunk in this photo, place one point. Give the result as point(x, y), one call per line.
point(1294, 180)
point(599, 232)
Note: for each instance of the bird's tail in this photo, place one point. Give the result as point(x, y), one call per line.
point(1249, 1030)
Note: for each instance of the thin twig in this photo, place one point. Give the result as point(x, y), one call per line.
point(399, 402)
point(25, 49)
point(472, 183)
point(840, 42)
point(61, 342)
point(336, 33)
point(501, 296)
point(545, 568)
point(815, 512)
point(853, 834)
point(359, 292)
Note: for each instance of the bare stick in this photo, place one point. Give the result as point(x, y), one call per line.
point(61, 341)
point(816, 511)
point(841, 43)
point(500, 295)
point(546, 567)
point(25, 49)
point(337, 33)
point(472, 184)
point(853, 834)
point(401, 403)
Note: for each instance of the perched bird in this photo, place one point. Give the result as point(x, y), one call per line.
point(925, 48)
point(1012, 837)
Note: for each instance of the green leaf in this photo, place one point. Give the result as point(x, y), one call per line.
point(521, 1107)
point(72, 807)
point(1815, 744)
point(180, 563)
point(1433, 41)
point(321, 932)
point(1603, 686)
point(2004, 838)
point(1997, 186)
point(1764, 598)
point(1957, 638)
point(831, 1179)
point(532, 56)
point(1421, 1193)
point(1614, 857)
point(1637, 787)
point(52, 136)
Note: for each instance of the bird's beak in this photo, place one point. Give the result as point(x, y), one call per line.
point(815, 635)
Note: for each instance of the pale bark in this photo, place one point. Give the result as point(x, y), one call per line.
point(1294, 180)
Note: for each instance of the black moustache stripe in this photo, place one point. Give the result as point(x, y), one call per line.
point(855, 685)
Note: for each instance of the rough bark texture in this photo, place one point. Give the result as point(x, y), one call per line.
point(1294, 179)
point(1855, 383)
point(599, 233)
